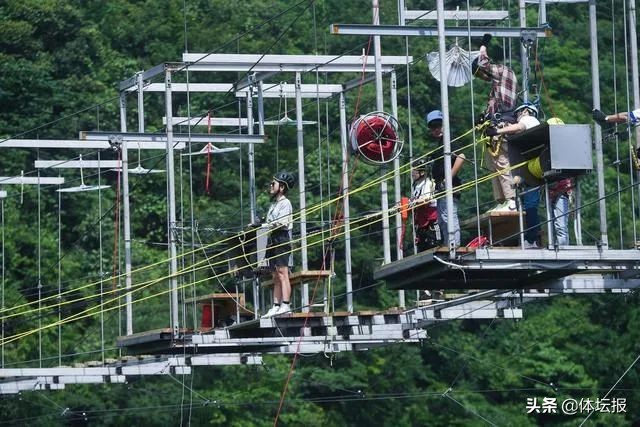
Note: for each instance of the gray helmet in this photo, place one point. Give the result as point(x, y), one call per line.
point(419, 164)
point(285, 178)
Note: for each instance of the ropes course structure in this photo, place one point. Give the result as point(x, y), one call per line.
point(207, 309)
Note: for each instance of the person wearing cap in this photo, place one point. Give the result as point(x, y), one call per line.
point(434, 123)
point(425, 210)
point(279, 222)
point(527, 117)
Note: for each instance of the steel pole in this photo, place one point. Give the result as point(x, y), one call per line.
point(126, 220)
point(397, 185)
point(446, 139)
point(386, 240)
point(302, 192)
point(635, 84)
point(595, 87)
point(171, 208)
point(345, 202)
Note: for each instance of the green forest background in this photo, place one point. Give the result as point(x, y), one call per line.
point(60, 62)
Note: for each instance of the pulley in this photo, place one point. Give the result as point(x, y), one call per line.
point(377, 136)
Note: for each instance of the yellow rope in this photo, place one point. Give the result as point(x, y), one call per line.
point(366, 221)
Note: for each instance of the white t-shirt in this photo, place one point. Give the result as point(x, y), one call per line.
point(529, 122)
point(422, 190)
point(280, 214)
point(634, 116)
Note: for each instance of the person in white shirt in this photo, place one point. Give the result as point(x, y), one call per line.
point(527, 116)
point(425, 210)
point(279, 221)
point(632, 117)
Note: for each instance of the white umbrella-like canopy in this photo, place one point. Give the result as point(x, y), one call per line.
point(285, 120)
point(212, 149)
point(458, 65)
point(82, 187)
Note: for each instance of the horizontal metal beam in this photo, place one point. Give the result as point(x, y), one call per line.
point(287, 90)
point(287, 63)
point(214, 121)
point(252, 78)
point(527, 256)
point(401, 30)
point(271, 90)
point(77, 164)
point(75, 144)
point(556, 1)
point(474, 15)
point(591, 283)
point(191, 87)
point(30, 180)
point(177, 137)
point(146, 75)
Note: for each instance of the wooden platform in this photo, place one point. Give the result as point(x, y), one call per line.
point(286, 334)
point(501, 228)
point(301, 277)
point(219, 306)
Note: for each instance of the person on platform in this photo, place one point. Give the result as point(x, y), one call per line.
point(424, 206)
point(502, 99)
point(434, 123)
point(527, 117)
point(279, 222)
point(632, 117)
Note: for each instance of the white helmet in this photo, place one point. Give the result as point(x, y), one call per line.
point(529, 106)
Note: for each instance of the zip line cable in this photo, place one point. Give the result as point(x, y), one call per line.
point(404, 169)
point(313, 235)
point(92, 310)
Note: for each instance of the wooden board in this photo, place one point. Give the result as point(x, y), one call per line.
point(501, 228)
point(301, 277)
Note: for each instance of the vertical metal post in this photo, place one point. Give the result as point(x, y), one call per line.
point(446, 139)
point(397, 185)
point(171, 207)
point(260, 107)
point(140, 82)
point(386, 241)
point(595, 82)
point(523, 54)
point(401, 9)
point(252, 190)
point(345, 202)
point(3, 276)
point(633, 53)
point(578, 202)
point(302, 191)
point(542, 12)
point(551, 227)
point(251, 158)
point(126, 220)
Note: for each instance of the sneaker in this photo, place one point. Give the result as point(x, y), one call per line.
point(498, 208)
point(533, 245)
point(272, 311)
point(284, 308)
point(599, 117)
point(506, 206)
